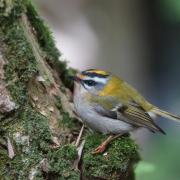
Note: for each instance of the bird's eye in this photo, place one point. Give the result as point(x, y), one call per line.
point(90, 82)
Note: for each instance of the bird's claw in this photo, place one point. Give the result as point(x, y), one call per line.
point(99, 149)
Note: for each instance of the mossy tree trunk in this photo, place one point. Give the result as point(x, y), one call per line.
point(37, 124)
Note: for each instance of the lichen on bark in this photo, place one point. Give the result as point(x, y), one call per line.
point(41, 128)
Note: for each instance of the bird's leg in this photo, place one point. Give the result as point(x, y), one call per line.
point(102, 147)
point(79, 136)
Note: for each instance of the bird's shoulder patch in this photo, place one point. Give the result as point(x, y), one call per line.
point(113, 87)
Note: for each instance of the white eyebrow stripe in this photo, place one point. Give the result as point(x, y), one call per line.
point(97, 79)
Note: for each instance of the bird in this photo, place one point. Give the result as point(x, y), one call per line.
point(109, 105)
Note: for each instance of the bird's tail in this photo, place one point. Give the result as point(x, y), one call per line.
point(165, 114)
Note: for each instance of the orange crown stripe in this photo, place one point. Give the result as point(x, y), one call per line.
point(98, 72)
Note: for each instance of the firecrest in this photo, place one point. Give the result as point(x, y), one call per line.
point(109, 105)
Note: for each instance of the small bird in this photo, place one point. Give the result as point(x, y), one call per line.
point(109, 105)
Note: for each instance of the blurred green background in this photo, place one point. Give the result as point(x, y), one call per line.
point(138, 40)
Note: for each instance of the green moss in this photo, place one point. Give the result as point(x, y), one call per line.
point(66, 120)
point(61, 163)
point(29, 151)
point(67, 78)
point(43, 34)
point(36, 127)
point(11, 9)
point(19, 167)
point(21, 62)
point(21, 67)
point(120, 154)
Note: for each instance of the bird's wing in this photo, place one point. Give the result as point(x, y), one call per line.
point(139, 117)
point(132, 114)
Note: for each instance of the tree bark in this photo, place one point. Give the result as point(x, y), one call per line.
point(38, 127)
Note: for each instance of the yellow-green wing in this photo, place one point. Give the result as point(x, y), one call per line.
point(138, 117)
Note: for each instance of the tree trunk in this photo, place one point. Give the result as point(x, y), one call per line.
point(38, 127)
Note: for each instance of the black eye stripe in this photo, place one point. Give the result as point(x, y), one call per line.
point(90, 82)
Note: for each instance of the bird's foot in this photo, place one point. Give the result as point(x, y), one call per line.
point(100, 149)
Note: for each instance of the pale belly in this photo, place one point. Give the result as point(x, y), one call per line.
point(106, 125)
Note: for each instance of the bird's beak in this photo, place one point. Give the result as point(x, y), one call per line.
point(75, 78)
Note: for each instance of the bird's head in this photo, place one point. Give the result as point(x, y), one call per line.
point(92, 81)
